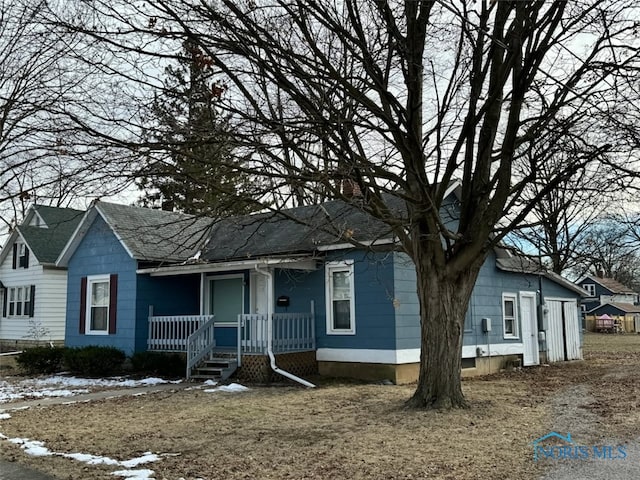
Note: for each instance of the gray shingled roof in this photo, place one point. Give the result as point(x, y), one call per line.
point(522, 264)
point(291, 231)
point(613, 285)
point(625, 307)
point(156, 235)
point(47, 243)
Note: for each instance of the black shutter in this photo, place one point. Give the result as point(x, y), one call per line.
point(26, 257)
point(32, 301)
point(14, 263)
point(5, 294)
point(113, 302)
point(83, 305)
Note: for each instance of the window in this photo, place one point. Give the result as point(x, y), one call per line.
point(20, 301)
point(590, 288)
point(510, 315)
point(97, 305)
point(340, 302)
point(20, 256)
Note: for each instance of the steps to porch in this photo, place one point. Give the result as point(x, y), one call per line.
point(217, 369)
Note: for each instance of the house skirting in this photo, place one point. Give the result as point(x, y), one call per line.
point(402, 366)
point(408, 372)
point(256, 368)
point(10, 345)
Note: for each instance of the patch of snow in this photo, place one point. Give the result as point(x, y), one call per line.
point(142, 474)
point(32, 447)
point(152, 381)
point(37, 448)
point(4, 416)
point(66, 386)
point(145, 458)
point(211, 382)
point(233, 387)
point(90, 459)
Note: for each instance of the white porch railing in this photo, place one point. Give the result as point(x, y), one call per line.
point(291, 332)
point(200, 344)
point(170, 333)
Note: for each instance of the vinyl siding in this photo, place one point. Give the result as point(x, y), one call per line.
point(50, 300)
point(373, 296)
point(100, 253)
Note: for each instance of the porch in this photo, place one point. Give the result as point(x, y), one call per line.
point(290, 332)
point(203, 338)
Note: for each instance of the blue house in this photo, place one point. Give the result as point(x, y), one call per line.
point(283, 292)
point(607, 296)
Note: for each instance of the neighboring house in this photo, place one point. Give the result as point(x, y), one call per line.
point(33, 289)
point(608, 296)
point(299, 293)
point(624, 315)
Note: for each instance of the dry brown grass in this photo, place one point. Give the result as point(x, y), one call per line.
point(339, 430)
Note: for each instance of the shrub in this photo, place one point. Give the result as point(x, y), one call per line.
point(94, 360)
point(37, 360)
point(162, 364)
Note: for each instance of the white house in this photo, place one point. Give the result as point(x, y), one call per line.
point(33, 290)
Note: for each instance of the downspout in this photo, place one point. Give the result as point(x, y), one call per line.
point(270, 309)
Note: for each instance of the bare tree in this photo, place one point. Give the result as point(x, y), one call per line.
point(562, 219)
point(44, 156)
point(402, 98)
point(609, 250)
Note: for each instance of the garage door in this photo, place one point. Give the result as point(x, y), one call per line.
point(563, 333)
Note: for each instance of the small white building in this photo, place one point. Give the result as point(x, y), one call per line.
point(33, 290)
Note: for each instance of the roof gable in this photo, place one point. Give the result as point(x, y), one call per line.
point(146, 234)
point(609, 284)
point(618, 307)
point(47, 241)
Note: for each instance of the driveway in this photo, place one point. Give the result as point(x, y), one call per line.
point(572, 414)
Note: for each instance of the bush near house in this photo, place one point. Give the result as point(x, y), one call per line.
point(36, 360)
point(98, 361)
point(94, 360)
point(162, 364)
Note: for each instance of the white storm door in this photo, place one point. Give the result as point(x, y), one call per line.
point(529, 319)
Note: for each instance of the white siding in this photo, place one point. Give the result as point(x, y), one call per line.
point(50, 300)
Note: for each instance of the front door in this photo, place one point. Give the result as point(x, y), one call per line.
point(531, 354)
point(226, 302)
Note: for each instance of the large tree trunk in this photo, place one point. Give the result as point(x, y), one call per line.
point(444, 298)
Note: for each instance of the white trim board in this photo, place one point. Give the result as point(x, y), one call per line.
point(408, 355)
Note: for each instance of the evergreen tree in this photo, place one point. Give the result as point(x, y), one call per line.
point(191, 168)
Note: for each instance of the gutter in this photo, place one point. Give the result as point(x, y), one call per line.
point(272, 358)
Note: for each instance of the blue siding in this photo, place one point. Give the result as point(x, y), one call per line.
point(179, 295)
point(486, 301)
point(407, 308)
point(101, 253)
point(373, 293)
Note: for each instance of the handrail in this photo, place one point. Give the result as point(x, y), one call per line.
point(200, 343)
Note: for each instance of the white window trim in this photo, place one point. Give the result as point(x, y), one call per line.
point(330, 267)
point(516, 317)
point(590, 288)
point(25, 294)
point(91, 280)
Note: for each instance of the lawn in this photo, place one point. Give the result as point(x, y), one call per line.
point(339, 430)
